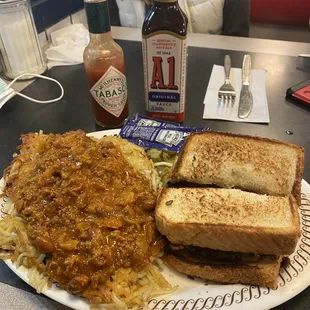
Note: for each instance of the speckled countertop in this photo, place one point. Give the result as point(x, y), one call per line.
point(12, 298)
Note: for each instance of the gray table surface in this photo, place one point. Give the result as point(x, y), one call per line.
point(73, 111)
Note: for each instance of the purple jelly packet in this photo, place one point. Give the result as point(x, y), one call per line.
point(142, 120)
point(153, 145)
point(158, 137)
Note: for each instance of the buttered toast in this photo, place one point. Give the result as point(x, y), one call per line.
point(228, 220)
point(254, 164)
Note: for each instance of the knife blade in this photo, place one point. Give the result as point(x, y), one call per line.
point(246, 99)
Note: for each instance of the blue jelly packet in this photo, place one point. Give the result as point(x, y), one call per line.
point(157, 136)
point(142, 120)
point(151, 145)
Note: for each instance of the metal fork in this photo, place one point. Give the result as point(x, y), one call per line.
point(227, 92)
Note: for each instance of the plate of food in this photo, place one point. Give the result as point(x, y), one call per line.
point(91, 221)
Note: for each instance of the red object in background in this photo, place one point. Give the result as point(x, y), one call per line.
point(300, 92)
point(282, 12)
point(303, 94)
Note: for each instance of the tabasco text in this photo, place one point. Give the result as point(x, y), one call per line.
point(105, 68)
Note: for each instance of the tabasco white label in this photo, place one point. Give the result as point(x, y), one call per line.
point(110, 91)
point(164, 59)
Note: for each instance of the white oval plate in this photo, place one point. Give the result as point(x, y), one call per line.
point(195, 294)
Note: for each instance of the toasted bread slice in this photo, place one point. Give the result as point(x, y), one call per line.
point(228, 220)
point(254, 164)
point(263, 273)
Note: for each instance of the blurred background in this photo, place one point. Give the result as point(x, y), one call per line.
point(268, 19)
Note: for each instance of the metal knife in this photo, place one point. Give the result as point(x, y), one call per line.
point(246, 99)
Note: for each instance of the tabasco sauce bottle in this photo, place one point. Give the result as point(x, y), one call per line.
point(105, 68)
point(164, 58)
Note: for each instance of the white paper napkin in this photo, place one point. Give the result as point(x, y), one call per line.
point(68, 46)
point(214, 109)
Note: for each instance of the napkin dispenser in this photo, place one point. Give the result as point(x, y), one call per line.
point(20, 51)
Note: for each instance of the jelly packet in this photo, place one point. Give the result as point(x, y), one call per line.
point(142, 120)
point(151, 133)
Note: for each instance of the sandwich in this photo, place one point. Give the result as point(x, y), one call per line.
point(228, 220)
point(254, 164)
point(230, 214)
point(227, 235)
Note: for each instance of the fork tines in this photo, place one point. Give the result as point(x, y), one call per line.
point(227, 92)
point(227, 96)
